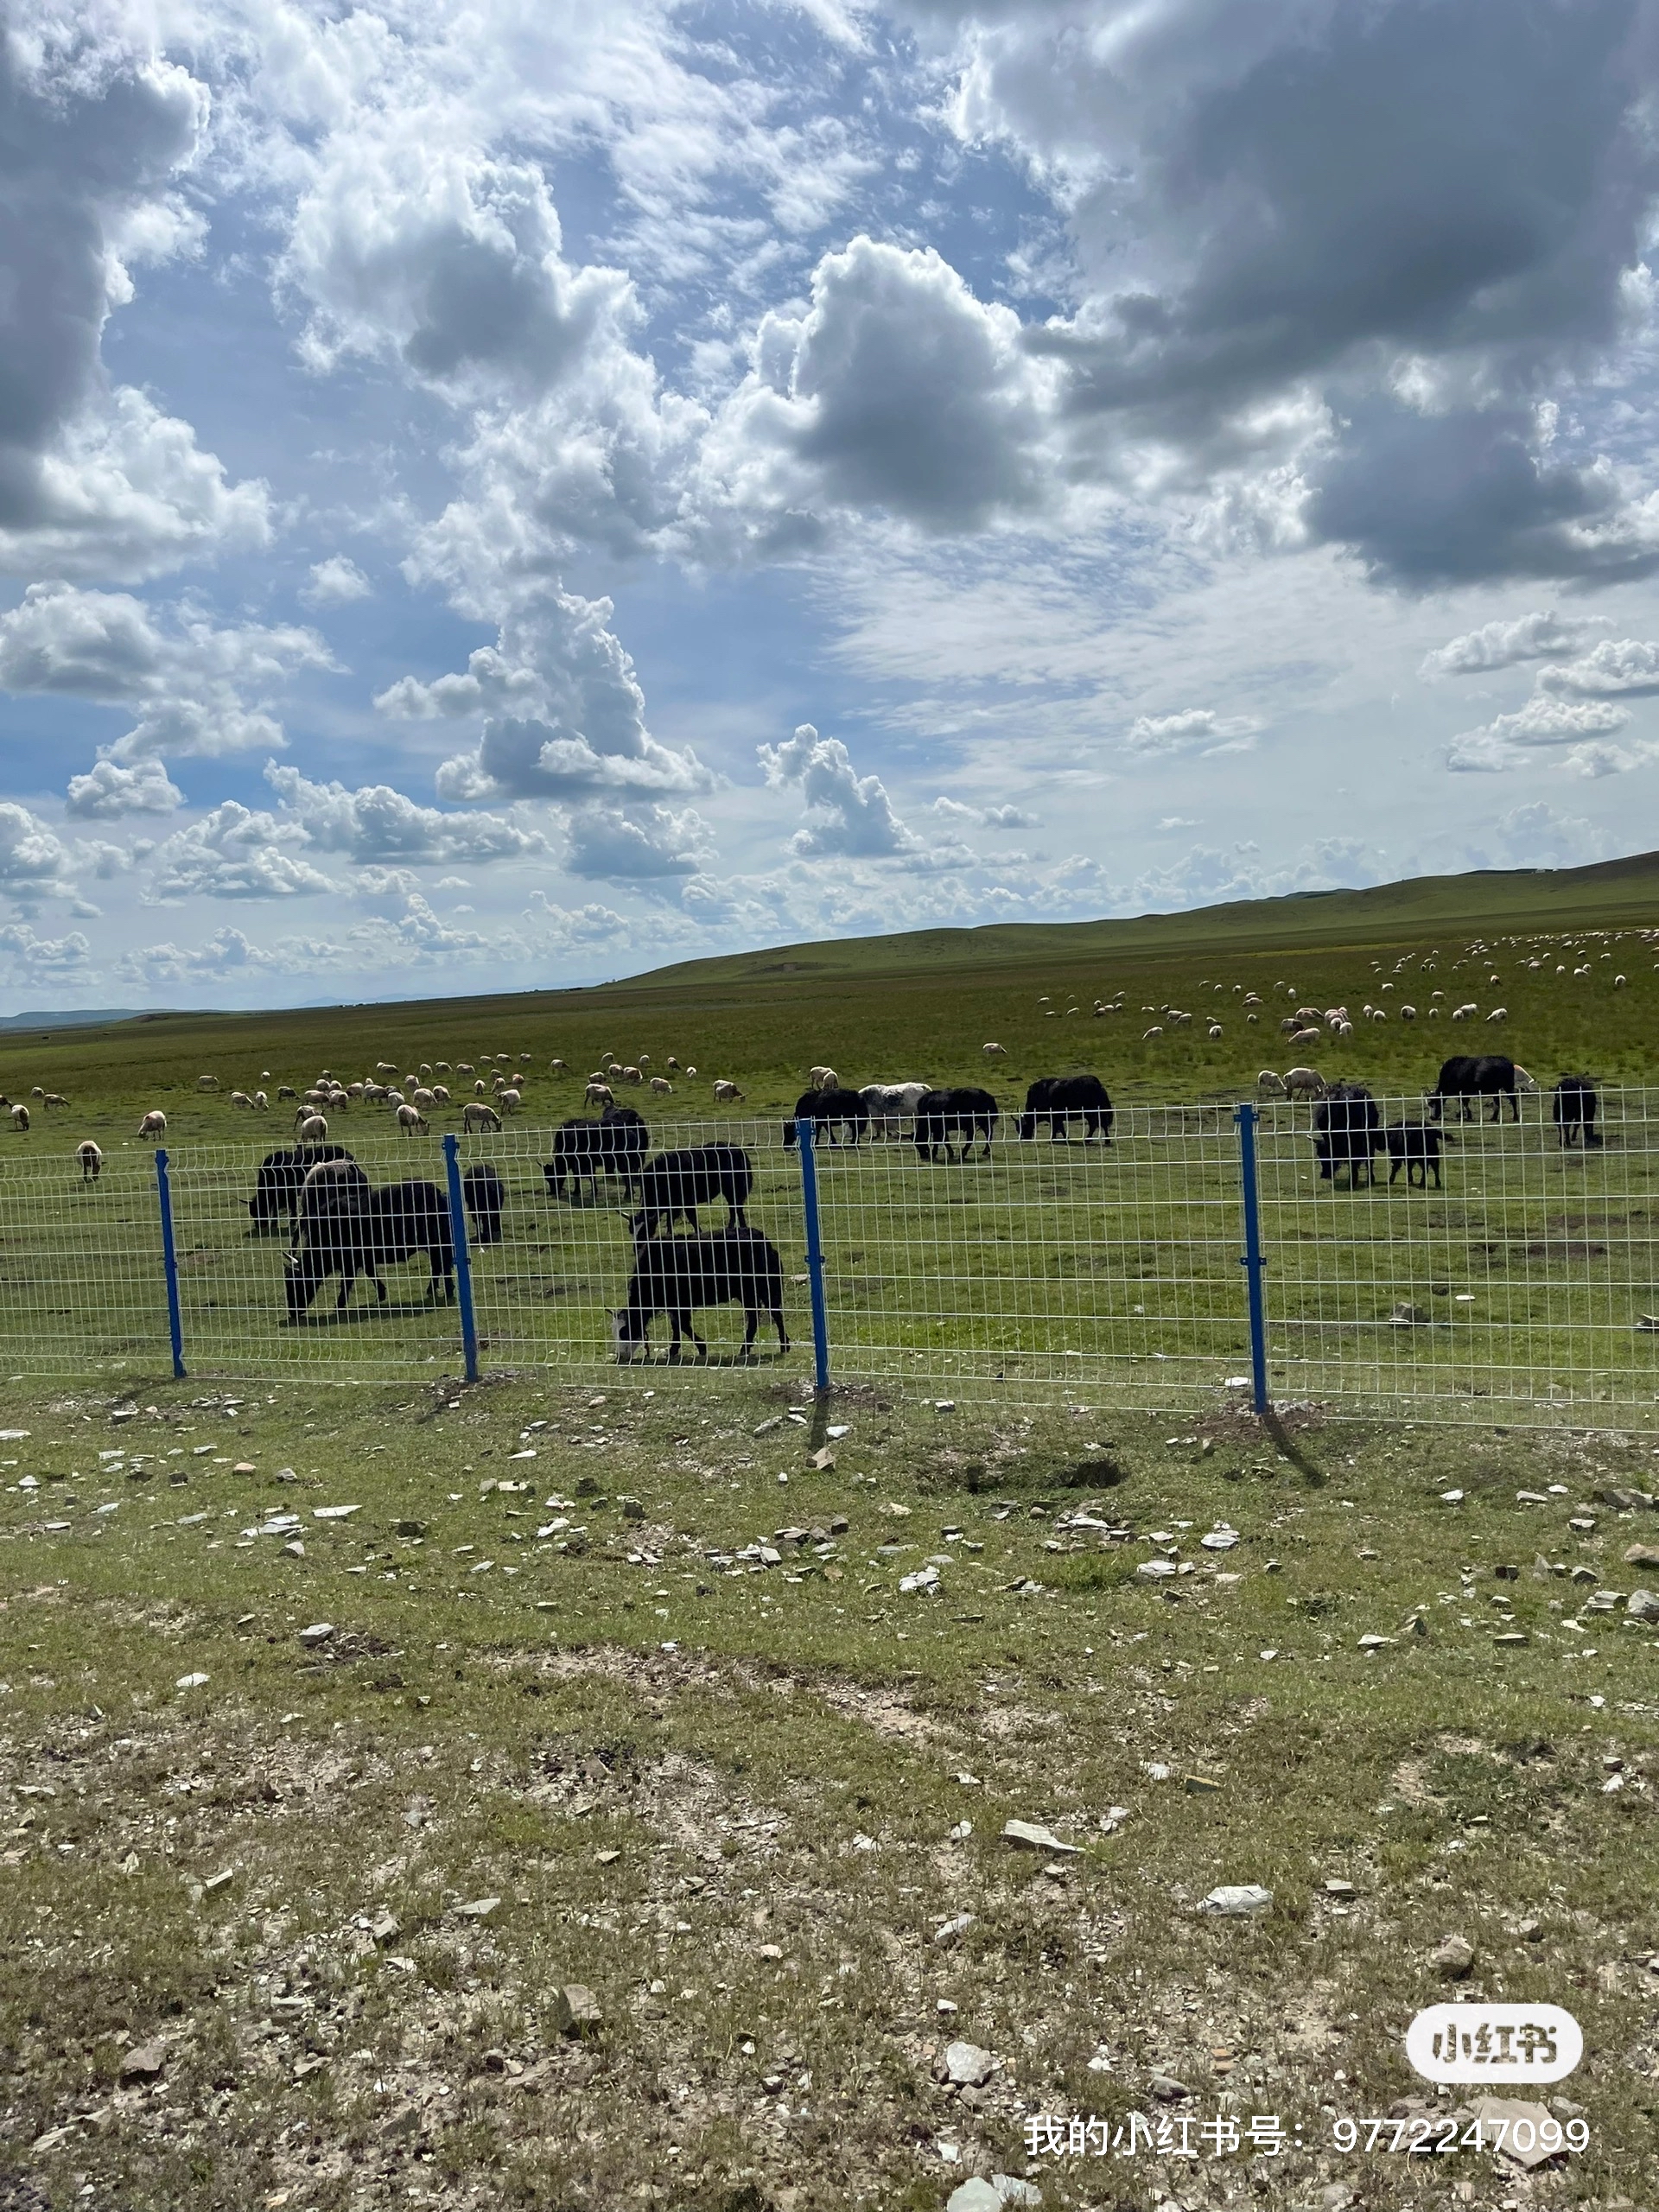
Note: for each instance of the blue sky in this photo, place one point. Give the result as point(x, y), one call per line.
point(514, 496)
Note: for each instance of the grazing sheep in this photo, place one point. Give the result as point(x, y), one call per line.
point(422, 1098)
point(823, 1079)
point(439, 1095)
point(1216, 1031)
point(1289, 1026)
point(312, 1129)
point(1619, 982)
point(153, 1125)
point(1573, 1108)
point(1415, 1145)
point(20, 1120)
point(556, 1067)
point(726, 1094)
point(484, 1195)
point(1055, 1098)
point(426, 1068)
point(674, 1185)
point(475, 1115)
point(1271, 1085)
point(1498, 1013)
point(1408, 1013)
point(411, 1121)
point(691, 1071)
point(613, 1070)
point(510, 1100)
point(827, 1111)
point(90, 1159)
point(599, 1094)
point(261, 1103)
point(39, 1092)
point(1304, 1083)
point(633, 1075)
point(285, 1090)
point(241, 1098)
point(1463, 1013)
point(385, 1067)
point(672, 1061)
point(465, 1067)
point(207, 1083)
point(994, 1051)
point(1347, 1132)
point(1156, 1030)
point(662, 1086)
point(675, 1275)
point(944, 1117)
point(54, 1098)
point(441, 1067)
point(1306, 1036)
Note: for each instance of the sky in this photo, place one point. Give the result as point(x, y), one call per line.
point(513, 493)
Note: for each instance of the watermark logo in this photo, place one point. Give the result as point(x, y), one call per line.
point(1494, 2042)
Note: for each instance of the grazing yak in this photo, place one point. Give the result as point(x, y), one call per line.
point(674, 1184)
point(945, 1118)
point(1573, 1107)
point(1055, 1098)
point(276, 1187)
point(1479, 1075)
point(890, 1105)
point(583, 1151)
point(347, 1229)
point(485, 1195)
point(830, 1110)
point(1415, 1145)
point(1347, 1131)
point(676, 1274)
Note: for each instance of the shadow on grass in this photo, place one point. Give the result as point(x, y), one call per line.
point(1294, 1450)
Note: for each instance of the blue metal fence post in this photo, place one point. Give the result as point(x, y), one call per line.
point(463, 1258)
point(170, 1264)
point(1253, 1261)
point(805, 1133)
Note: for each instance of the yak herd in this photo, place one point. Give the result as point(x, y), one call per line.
point(341, 1225)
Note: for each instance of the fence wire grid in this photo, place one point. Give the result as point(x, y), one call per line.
point(1524, 1285)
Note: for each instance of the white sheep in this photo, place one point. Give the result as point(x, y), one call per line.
point(421, 1098)
point(312, 1128)
point(1215, 1029)
point(1498, 1013)
point(599, 1094)
point(153, 1125)
point(410, 1119)
point(241, 1098)
point(510, 1100)
point(20, 1120)
point(90, 1159)
point(207, 1083)
point(556, 1067)
point(824, 1080)
point(1408, 1013)
point(1271, 1085)
point(994, 1051)
point(441, 1093)
point(261, 1103)
point(1156, 1030)
point(662, 1086)
point(1304, 1083)
point(1619, 982)
point(476, 1116)
point(727, 1094)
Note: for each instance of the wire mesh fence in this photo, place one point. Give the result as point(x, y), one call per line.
point(1475, 1269)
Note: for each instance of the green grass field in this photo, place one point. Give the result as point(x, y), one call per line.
point(1048, 1270)
point(614, 1684)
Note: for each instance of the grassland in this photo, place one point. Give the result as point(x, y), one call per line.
point(737, 1801)
point(1117, 1273)
point(289, 1922)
